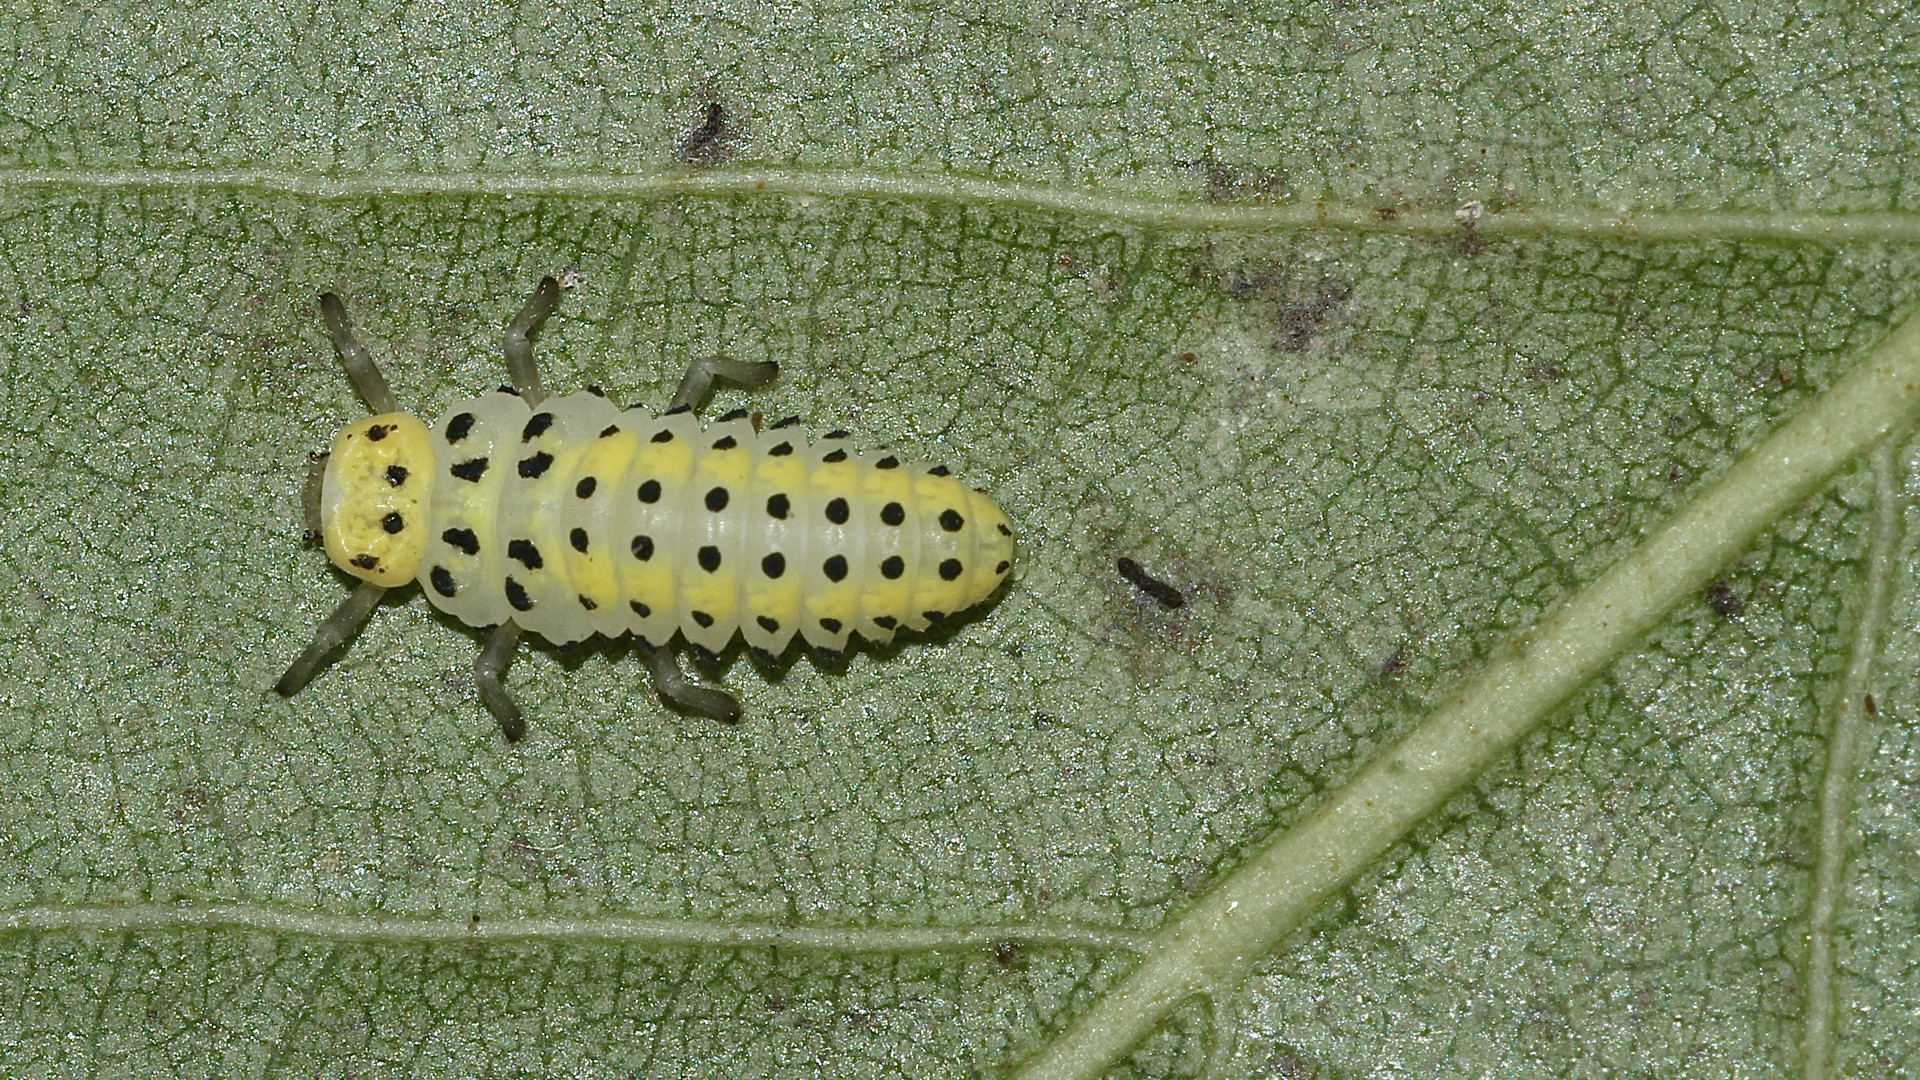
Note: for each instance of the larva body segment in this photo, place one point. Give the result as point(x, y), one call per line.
point(589, 519)
point(570, 517)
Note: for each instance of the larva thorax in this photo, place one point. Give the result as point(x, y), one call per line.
point(575, 518)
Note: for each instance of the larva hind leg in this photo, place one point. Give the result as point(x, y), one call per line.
point(671, 683)
point(518, 343)
point(701, 373)
point(354, 357)
point(488, 667)
point(334, 631)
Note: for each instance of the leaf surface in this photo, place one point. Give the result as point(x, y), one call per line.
point(1377, 335)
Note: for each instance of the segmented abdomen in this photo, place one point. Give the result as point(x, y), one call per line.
point(579, 518)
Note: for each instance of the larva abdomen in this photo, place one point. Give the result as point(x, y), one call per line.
point(588, 519)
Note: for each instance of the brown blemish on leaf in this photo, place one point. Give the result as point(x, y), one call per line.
point(711, 143)
point(1723, 599)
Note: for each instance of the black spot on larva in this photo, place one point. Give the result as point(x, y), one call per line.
point(596, 391)
point(508, 390)
point(536, 426)
point(442, 581)
point(834, 456)
point(662, 436)
point(393, 522)
point(584, 489)
point(892, 567)
point(396, 475)
point(578, 538)
point(837, 511)
point(774, 565)
point(831, 626)
point(642, 548)
point(705, 620)
point(837, 435)
point(939, 470)
point(951, 520)
point(835, 568)
point(771, 626)
point(725, 442)
point(609, 430)
point(678, 409)
point(517, 596)
point(1004, 531)
point(709, 558)
point(717, 499)
point(376, 432)
point(470, 470)
point(1002, 567)
point(949, 569)
point(459, 427)
point(528, 555)
point(464, 539)
point(763, 657)
point(365, 562)
point(829, 657)
point(893, 513)
point(782, 450)
point(1147, 583)
point(888, 462)
point(934, 618)
point(640, 609)
point(587, 602)
point(733, 414)
point(649, 492)
point(785, 422)
point(885, 622)
point(531, 468)
point(779, 507)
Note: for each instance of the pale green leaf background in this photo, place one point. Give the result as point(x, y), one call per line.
point(1180, 282)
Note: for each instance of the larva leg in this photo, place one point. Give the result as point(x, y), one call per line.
point(487, 669)
point(673, 685)
point(702, 372)
point(518, 346)
point(353, 356)
point(338, 629)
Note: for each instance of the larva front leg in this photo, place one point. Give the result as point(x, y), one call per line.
point(352, 614)
point(522, 368)
point(360, 367)
point(488, 667)
point(334, 631)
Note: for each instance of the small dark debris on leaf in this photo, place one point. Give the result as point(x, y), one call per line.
point(1396, 663)
point(1147, 583)
point(707, 144)
point(1722, 598)
point(1872, 709)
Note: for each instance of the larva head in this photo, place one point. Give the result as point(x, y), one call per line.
point(374, 496)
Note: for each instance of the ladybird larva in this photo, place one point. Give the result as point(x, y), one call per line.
point(570, 517)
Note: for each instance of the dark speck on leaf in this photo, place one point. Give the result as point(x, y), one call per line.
point(1722, 598)
point(707, 144)
point(1147, 583)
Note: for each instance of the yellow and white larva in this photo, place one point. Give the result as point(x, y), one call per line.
point(571, 517)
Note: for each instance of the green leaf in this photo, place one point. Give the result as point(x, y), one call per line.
point(1384, 337)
